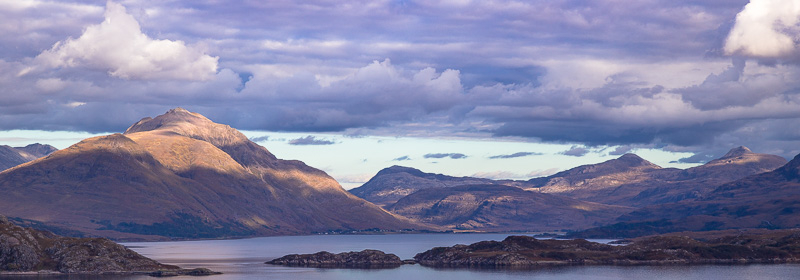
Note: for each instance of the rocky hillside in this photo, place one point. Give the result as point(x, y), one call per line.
point(502, 208)
point(13, 156)
point(633, 181)
point(24, 249)
point(180, 175)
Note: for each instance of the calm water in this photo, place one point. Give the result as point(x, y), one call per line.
point(244, 259)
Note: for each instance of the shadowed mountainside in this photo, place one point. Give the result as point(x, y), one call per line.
point(13, 156)
point(180, 175)
point(503, 208)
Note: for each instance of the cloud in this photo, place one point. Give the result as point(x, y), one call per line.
point(620, 150)
point(766, 29)
point(575, 151)
point(498, 175)
point(515, 155)
point(696, 158)
point(446, 155)
point(542, 173)
point(310, 140)
point(117, 45)
point(260, 139)
point(403, 158)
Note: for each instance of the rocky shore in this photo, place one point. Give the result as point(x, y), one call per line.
point(24, 250)
point(527, 252)
point(363, 259)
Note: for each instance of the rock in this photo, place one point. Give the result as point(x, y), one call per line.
point(527, 252)
point(27, 250)
point(364, 259)
point(189, 272)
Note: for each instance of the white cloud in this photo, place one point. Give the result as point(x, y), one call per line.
point(766, 28)
point(117, 45)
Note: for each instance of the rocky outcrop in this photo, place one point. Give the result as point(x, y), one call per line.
point(528, 252)
point(363, 259)
point(25, 250)
point(180, 175)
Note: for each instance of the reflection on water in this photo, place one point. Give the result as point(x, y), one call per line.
point(244, 259)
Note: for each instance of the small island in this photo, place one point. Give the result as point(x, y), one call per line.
point(528, 252)
point(365, 259)
point(26, 250)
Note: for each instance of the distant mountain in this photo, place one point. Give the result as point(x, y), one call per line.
point(767, 200)
point(181, 175)
point(502, 208)
point(633, 181)
point(13, 156)
point(396, 182)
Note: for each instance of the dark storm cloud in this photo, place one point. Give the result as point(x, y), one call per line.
point(514, 155)
point(310, 140)
point(445, 155)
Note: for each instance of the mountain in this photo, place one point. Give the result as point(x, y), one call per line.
point(632, 181)
point(180, 175)
point(767, 200)
point(396, 182)
point(13, 156)
point(502, 208)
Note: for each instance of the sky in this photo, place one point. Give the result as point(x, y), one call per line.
point(497, 89)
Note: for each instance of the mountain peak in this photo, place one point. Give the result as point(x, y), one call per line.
point(633, 160)
point(737, 152)
point(190, 124)
point(400, 169)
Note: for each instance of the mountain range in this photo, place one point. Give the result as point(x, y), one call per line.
point(499, 208)
point(766, 200)
point(13, 156)
point(396, 182)
point(180, 175)
point(632, 181)
point(627, 189)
